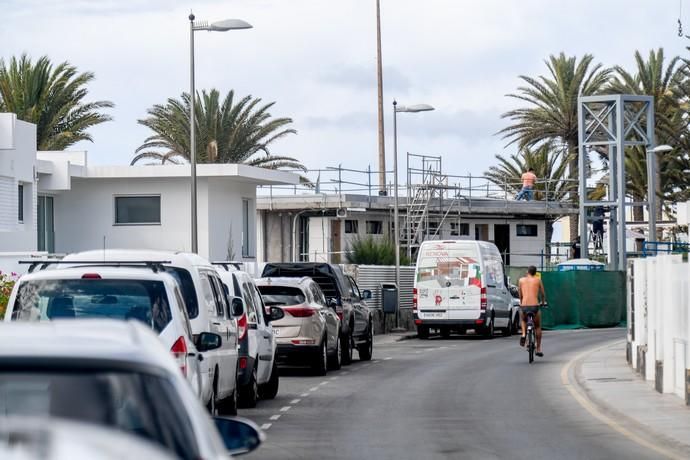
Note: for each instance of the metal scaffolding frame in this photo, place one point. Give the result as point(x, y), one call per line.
point(614, 122)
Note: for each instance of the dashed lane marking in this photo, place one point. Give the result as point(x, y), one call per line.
point(266, 426)
point(387, 358)
point(295, 401)
point(275, 417)
point(285, 408)
point(313, 388)
point(304, 395)
point(334, 378)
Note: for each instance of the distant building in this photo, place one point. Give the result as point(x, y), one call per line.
point(55, 202)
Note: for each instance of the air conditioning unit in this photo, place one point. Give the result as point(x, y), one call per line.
point(341, 213)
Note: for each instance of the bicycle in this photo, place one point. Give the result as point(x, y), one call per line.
point(531, 334)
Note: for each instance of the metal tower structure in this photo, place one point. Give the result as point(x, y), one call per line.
point(610, 123)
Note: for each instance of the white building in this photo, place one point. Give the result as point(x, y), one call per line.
point(56, 202)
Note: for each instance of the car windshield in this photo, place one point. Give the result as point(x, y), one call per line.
point(143, 300)
point(141, 404)
point(281, 295)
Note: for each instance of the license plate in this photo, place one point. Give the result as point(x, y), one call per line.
point(433, 315)
point(276, 332)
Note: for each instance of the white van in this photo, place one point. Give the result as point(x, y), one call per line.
point(461, 285)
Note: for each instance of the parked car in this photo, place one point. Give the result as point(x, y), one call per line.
point(461, 285)
point(310, 331)
point(209, 310)
point(136, 292)
point(258, 376)
point(117, 375)
point(515, 298)
point(356, 325)
point(48, 438)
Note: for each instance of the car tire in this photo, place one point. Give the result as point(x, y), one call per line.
point(269, 390)
point(346, 344)
point(445, 333)
point(489, 330)
point(366, 350)
point(249, 393)
point(228, 406)
point(336, 360)
point(423, 332)
point(508, 331)
point(516, 323)
point(320, 363)
point(211, 406)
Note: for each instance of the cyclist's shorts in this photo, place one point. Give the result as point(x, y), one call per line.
point(530, 309)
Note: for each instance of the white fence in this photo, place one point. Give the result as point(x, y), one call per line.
point(659, 322)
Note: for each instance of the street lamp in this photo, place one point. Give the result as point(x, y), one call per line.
point(220, 26)
point(651, 186)
point(396, 110)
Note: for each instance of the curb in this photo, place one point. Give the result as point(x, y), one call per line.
point(628, 427)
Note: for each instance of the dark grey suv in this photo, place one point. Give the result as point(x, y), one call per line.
point(343, 296)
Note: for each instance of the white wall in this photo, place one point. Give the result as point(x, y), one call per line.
point(17, 165)
point(319, 239)
point(225, 219)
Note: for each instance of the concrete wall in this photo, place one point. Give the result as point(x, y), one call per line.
point(17, 166)
point(224, 219)
point(85, 215)
point(274, 236)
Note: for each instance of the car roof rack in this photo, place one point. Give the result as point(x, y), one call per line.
point(228, 263)
point(155, 265)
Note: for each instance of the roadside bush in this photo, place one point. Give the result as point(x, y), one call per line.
point(373, 251)
point(6, 284)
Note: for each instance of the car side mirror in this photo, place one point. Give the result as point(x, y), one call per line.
point(332, 302)
point(275, 314)
point(240, 436)
point(236, 307)
point(207, 341)
point(366, 294)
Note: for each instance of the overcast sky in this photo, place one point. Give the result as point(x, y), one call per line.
point(317, 60)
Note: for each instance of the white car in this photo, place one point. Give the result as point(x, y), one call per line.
point(209, 310)
point(258, 376)
point(136, 292)
point(112, 374)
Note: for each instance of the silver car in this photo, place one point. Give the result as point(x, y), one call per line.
point(309, 332)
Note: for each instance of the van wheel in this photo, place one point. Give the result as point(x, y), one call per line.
point(249, 394)
point(320, 363)
point(516, 324)
point(346, 345)
point(366, 350)
point(488, 330)
point(508, 331)
point(423, 332)
point(445, 333)
point(228, 406)
point(269, 390)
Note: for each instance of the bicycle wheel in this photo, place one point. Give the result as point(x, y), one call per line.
point(531, 345)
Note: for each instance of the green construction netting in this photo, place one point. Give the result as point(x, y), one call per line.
point(587, 299)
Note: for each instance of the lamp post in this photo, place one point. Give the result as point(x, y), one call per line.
point(652, 186)
point(220, 26)
point(396, 110)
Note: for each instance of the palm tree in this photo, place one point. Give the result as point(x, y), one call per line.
point(231, 132)
point(550, 165)
point(652, 77)
point(551, 114)
point(51, 98)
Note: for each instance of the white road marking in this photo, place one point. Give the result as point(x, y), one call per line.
point(388, 358)
point(313, 388)
point(304, 395)
point(266, 426)
point(275, 417)
point(285, 409)
point(295, 401)
point(334, 378)
point(325, 382)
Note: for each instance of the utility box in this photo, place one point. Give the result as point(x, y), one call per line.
point(389, 297)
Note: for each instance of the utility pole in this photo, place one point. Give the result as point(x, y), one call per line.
point(379, 74)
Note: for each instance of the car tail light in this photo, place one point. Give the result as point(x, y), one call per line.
point(299, 311)
point(303, 341)
point(483, 302)
point(242, 327)
point(414, 300)
point(479, 321)
point(179, 352)
point(243, 362)
point(418, 322)
point(90, 276)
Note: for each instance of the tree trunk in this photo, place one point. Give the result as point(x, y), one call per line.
point(638, 211)
point(573, 168)
point(548, 235)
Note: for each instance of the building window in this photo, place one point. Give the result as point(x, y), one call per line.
point(374, 227)
point(464, 229)
point(138, 210)
point(246, 228)
point(20, 203)
point(526, 230)
point(352, 226)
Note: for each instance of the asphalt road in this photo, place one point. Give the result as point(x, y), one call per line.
point(442, 399)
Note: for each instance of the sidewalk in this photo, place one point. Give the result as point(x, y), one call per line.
point(612, 385)
point(392, 337)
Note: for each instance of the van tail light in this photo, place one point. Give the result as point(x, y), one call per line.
point(483, 301)
point(242, 327)
point(299, 311)
point(179, 352)
point(243, 362)
point(414, 300)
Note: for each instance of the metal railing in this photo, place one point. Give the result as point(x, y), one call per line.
point(653, 248)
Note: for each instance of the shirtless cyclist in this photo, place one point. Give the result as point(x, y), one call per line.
point(531, 288)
